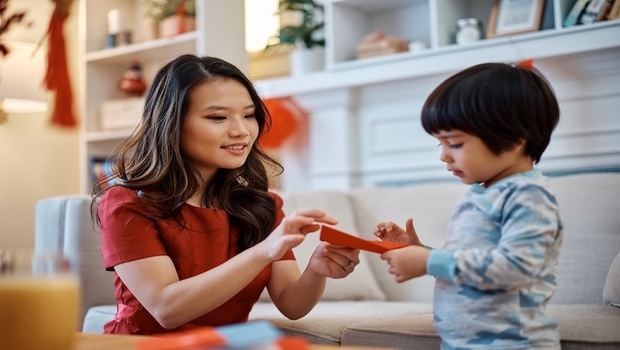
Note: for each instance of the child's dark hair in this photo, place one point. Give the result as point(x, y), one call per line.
point(499, 103)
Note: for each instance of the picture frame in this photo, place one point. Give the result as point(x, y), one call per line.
point(510, 17)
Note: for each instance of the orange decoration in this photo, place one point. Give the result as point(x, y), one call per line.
point(283, 124)
point(526, 64)
point(57, 76)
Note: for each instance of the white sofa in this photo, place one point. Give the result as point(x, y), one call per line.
point(368, 307)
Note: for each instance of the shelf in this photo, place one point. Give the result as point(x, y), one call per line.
point(98, 136)
point(146, 51)
point(449, 58)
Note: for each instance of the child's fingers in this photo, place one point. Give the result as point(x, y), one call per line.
point(409, 225)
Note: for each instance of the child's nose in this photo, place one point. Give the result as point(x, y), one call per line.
point(445, 157)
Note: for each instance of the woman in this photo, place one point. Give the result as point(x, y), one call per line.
point(190, 228)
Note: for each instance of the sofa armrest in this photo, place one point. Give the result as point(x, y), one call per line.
point(63, 224)
point(611, 290)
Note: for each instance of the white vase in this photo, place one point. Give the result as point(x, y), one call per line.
point(305, 60)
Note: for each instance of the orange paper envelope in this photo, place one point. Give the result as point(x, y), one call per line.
point(337, 237)
point(189, 339)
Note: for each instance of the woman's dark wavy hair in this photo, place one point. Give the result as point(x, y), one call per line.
point(499, 103)
point(150, 160)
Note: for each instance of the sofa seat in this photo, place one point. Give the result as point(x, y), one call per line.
point(587, 326)
point(328, 320)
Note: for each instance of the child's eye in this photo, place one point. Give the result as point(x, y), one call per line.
point(456, 146)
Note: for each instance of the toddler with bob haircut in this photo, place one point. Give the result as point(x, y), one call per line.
point(498, 267)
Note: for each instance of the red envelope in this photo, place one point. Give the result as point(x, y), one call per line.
point(337, 237)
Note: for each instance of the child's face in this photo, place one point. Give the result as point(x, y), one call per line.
point(220, 128)
point(467, 157)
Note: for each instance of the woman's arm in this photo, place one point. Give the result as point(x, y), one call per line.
point(296, 295)
point(172, 302)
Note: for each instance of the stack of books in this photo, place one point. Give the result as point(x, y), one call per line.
point(590, 11)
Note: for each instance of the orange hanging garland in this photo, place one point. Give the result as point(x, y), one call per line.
point(57, 75)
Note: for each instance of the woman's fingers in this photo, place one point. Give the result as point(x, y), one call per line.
point(316, 214)
point(346, 258)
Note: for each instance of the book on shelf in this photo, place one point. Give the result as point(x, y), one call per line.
point(591, 11)
point(614, 11)
point(101, 168)
point(605, 11)
point(574, 14)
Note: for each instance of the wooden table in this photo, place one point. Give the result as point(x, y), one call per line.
point(89, 341)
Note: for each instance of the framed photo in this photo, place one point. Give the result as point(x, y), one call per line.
point(515, 16)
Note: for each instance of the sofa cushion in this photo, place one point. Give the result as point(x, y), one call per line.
point(587, 326)
point(97, 317)
point(328, 320)
point(580, 326)
point(611, 291)
point(589, 206)
point(361, 283)
point(430, 206)
point(409, 331)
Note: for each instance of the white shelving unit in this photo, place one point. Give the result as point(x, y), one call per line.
point(433, 22)
point(363, 128)
point(219, 32)
point(430, 21)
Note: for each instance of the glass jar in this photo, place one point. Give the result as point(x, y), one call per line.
point(39, 301)
point(469, 30)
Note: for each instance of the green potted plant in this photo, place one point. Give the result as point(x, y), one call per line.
point(306, 35)
point(172, 17)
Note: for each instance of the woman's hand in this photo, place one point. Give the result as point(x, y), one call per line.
point(390, 232)
point(333, 261)
point(292, 231)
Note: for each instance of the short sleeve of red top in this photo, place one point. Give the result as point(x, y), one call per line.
point(204, 241)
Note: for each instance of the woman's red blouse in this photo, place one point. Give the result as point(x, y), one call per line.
point(204, 241)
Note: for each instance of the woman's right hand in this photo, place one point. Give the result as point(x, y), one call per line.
point(390, 232)
point(292, 231)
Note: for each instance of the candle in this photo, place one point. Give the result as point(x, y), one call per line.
point(114, 21)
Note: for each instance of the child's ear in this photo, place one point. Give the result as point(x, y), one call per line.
point(519, 146)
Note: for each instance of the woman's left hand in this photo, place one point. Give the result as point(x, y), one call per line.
point(333, 261)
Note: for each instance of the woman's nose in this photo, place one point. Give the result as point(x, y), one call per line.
point(238, 128)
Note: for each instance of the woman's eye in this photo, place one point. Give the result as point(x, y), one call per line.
point(250, 116)
point(216, 118)
point(455, 146)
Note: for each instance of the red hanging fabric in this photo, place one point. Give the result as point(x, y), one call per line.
point(57, 75)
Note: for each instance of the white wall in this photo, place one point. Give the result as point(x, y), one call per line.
point(36, 160)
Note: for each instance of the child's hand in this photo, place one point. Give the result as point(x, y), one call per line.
point(407, 263)
point(333, 261)
point(390, 232)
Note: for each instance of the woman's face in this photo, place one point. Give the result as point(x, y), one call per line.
point(220, 128)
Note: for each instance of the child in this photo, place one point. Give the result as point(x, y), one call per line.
point(497, 270)
point(189, 228)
